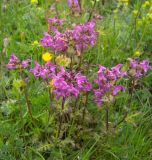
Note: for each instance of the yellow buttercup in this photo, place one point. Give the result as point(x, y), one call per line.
point(47, 56)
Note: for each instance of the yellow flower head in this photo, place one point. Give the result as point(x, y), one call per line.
point(135, 13)
point(139, 23)
point(35, 43)
point(47, 56)
point(149, 16)
point(39, 9)
point(34, 1)
point(115, 11)
point(146, 4)
point(137, 53)
point(63, 61)
point(123, 2)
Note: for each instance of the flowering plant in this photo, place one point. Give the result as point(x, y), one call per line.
point(62, 71)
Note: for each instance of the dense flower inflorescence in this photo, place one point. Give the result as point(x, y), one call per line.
point(56, 43)
point(84, 35)
point(68, 84)
point(107, 86)
point(80, 37)
point(16, 63)
point(54, 23)
point(74, 6)
point(44, 71)
point(137, 69)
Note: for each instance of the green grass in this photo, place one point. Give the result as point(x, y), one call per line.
point(21, 23)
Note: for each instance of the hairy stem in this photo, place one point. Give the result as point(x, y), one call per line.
point(84, 110)
point(107, 119)
point(26, 96)
point(61, 117)
point(28, 103)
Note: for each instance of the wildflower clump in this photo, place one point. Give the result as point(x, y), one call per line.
point(107, 84)
point(16, 63)
point(138, 68)
point(56, 43)
point(46, 71)
point(84, 35)
point(80, 37)
point(54, 23)
point(70, 83)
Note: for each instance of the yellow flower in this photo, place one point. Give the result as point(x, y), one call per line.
point(137, 53)
point(149, 16)
point(34, 1)
point(115, 11)
point(139, 22)
point(39, 9)
point(102, 33)
point(146, 4)
point(63, 61)
point(123, 2)
point(47, 56)
point(35, 43)
point(135, 13)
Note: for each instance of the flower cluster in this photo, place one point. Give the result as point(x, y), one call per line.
point(81, 36)
point(54, 23)
point(15, 63)
point(74, 6)
point(62, 60)
point(84, 35)
point(57, 42)
point(137, 69)
point(68, 84)
point(106, 81)
point(44, 71)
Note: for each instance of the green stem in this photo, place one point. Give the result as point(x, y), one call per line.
point(85, 106)
point(107, 118)
point(28, 103)
point(93, 8)
point(26, 97)
point(61, 117)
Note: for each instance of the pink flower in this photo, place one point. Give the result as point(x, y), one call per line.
point(54, 23)
point(74, 6)
point(25, 63)
point(56, 43)
point(16, 63)
point(117, 89)
point(84, 35)
point(68, 84)
point(137, 69)
point(106, 81)
point(46, 71)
